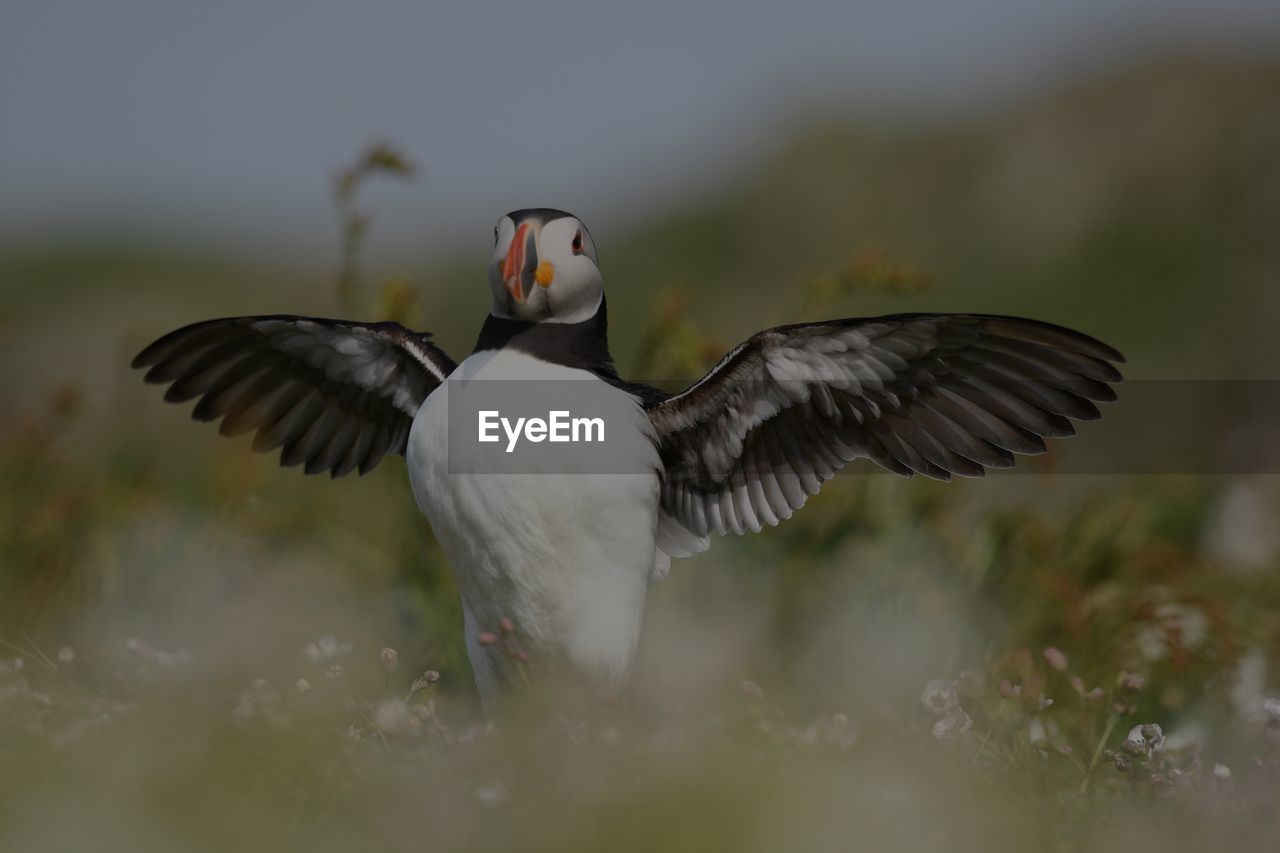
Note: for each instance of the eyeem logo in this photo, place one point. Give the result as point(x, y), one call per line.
point(559, 427)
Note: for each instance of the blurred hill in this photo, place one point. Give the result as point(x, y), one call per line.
point(1140, 206)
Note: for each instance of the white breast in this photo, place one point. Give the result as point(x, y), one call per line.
point(565, 554)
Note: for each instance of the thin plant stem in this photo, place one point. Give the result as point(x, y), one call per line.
point(1097, 752)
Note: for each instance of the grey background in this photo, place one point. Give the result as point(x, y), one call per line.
point(221, 121)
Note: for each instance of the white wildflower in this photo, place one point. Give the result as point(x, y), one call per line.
point(1172, 624)
point(151, 654)
point(939, 696)
point(1151, 642)
point(1271, 732)
point(1130, 682)
point(1249, 682)
point(955, 724)
point(1035, 731)
point(260, 700)
point(393, 717)
point(1188, 625)
point(1220, 782)
point(1135, 742)
point(66, 654)
point(326, 648)
point(840, 732)
point(1240, 528)
point(1145, 739)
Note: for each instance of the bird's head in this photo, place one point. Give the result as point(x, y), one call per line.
point(544, 268)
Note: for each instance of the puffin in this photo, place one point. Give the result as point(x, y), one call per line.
point(561, 544)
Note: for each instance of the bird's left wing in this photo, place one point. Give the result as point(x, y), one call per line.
point(935, 394)
point(336, 395)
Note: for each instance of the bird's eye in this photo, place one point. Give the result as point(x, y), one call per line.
point(577, 243)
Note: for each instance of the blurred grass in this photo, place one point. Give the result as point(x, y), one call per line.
point(1138, 206)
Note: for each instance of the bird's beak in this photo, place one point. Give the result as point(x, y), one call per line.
point(521, 269)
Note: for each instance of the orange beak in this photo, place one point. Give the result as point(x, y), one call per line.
point(521, 269)
point(520, 263)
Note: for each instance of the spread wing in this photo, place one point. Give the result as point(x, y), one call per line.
point(935, 394)
point(337, 396)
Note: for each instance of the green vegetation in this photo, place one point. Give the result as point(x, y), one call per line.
point(191, 639)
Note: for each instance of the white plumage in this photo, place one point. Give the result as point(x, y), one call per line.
point(566, 555)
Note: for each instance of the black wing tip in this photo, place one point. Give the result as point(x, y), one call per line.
point(1111, 377)
point(1067, 430)
point(1088, 343)
point(150, 354)
point(1032, 444)
point(160, 354)
point(1112, 354)
point(1097, 348)
point(150, 377)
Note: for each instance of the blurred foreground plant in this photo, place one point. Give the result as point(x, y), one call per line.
point(44, 514)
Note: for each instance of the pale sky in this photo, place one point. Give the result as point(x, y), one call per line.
point(214, 120)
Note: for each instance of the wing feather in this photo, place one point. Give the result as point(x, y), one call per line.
point(336, 396)
point(935, 394)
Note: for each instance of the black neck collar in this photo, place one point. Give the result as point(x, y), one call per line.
point(583, 345)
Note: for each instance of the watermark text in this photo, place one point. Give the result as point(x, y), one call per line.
point(559, 426)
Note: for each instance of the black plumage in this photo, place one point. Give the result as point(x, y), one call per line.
point(336, 396)
point(934, 394)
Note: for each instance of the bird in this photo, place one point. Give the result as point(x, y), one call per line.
point(565, 554)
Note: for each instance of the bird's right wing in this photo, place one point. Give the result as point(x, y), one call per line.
point(337, 396)
point(934, 394)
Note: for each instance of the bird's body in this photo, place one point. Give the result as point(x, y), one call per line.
point(565, 554)
point(564, 542)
